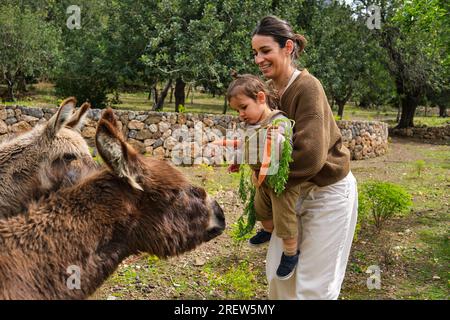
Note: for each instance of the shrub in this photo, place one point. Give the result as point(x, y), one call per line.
point(419, 164)
point(382, 200)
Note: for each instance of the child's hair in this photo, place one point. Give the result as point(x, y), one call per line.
point(249, 85)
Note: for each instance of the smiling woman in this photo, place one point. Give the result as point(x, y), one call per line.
point(274, 50)
point(320, 168)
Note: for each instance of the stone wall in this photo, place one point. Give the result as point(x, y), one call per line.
point(441, 133)
point(181, 135)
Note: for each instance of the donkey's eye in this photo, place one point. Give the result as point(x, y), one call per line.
point(69, 157)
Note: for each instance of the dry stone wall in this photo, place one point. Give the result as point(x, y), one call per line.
point(184, 137)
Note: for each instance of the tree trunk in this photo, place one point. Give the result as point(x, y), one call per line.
point(22, 84)
point(171, 95)
point(399, 110)
point(150, 91)
point(225, 104)
point(442, 111)
point(155, 93)
point(409, 105)
point(179, 94)
point(160, 103)
point(10, 95)
point(340, 109)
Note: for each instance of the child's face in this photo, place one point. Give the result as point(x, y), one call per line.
point(249, 109)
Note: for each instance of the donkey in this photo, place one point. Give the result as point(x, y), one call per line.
point(44, 159)
point(134, 204)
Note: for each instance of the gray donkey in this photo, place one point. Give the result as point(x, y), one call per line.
point(44, 159)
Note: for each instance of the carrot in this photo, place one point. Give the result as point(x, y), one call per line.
point(266, 159)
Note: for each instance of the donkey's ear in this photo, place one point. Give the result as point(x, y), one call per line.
point(62, 116)
point(116, 153)
point(109, 116)
point(76, 121)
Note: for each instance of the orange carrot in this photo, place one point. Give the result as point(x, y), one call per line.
point(266, 159)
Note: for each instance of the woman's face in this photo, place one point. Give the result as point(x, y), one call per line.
point(272, 60)
point(250, 110)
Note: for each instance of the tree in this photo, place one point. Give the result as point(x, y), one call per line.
point(339, 51)
point(414, 35)
point(87, 70)
point(200, 41)
point(29, 46)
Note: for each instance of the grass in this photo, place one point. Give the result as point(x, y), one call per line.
point(43, 95)
point(413, 250)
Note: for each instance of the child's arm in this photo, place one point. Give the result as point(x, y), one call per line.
point(236, 143)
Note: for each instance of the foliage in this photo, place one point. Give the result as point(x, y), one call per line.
point(278, 181)
point(419, 164)
point(414, 35)
point(87, 70)
point(29, 46)
point(383, 200)
point(343, 55)
point(246, 222)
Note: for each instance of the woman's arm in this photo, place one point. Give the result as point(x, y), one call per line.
point(311, 132)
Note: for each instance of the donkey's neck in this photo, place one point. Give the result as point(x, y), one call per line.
point(79, 228)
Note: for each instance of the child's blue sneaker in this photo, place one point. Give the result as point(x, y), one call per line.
point(260, 238)
point(287, 266)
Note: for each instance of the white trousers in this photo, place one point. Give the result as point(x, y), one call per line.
point(326, 221)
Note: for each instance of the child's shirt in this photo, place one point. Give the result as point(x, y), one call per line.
point(254, 148)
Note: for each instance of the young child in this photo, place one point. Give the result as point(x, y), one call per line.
point(257, 106)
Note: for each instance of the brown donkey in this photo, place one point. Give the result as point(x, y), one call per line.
point(135, 204)
point(44, 159)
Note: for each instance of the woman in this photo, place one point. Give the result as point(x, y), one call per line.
point(327, 208)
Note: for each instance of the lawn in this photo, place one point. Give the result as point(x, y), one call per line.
point(43, 95)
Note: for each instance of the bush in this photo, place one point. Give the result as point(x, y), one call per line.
point(420, 165)
point(381, 201)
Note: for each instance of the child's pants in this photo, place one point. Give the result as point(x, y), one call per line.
point(281, 209)
point(326, 223)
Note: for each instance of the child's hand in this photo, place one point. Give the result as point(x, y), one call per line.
point(233, 168)
point(271, 131)
point(217, 142)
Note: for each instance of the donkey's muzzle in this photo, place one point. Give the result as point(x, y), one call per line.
point(218, 225)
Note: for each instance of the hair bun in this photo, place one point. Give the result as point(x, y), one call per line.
point(301, 42)
point(234, 74)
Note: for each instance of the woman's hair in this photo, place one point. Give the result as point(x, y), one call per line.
point(249, 85)
point(280, 31)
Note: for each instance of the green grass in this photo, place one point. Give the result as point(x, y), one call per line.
point(43, 95)
point(237, 282)
point(429, 277)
